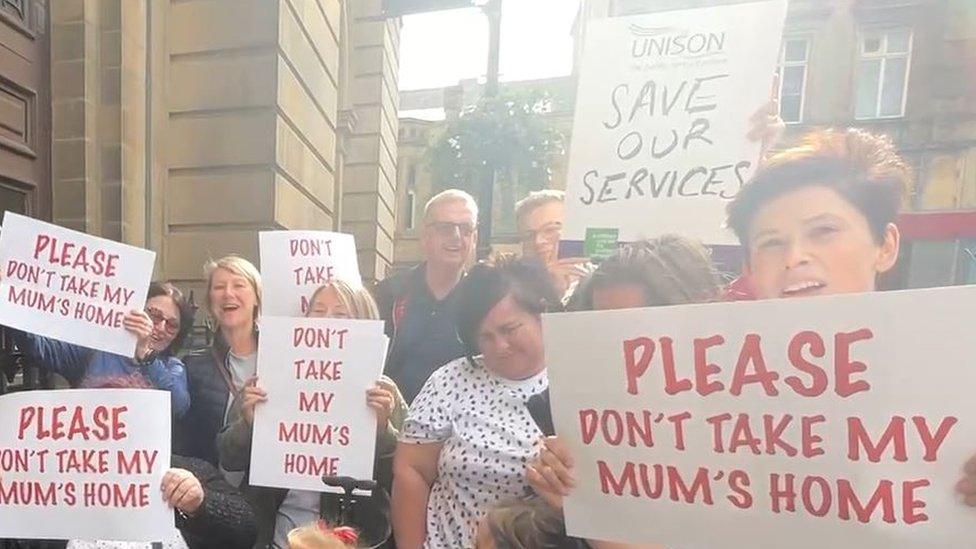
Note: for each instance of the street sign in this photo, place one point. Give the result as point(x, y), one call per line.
point(396, 8)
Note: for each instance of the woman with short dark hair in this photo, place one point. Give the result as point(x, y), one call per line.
point(468, 435)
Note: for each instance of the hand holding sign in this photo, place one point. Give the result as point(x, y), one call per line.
point(381, 399)
point(182, 490)
point(767, 126)
point(967, 485)
point(316, 421)
point(812, 418)
point(251, 395)
point(551, 474)
point(139, 324)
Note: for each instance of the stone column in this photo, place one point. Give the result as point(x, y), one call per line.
point(369, 172)
point(245, 133)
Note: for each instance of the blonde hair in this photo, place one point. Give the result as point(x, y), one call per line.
point(357, 299)
point(451, 195)
point(240, 267)
point(536, 199)
point(315, 536)
point(526, 524)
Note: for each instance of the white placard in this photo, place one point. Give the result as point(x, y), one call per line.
point(662, 113)
point(85, 464)
point(316, 421)
point(70, 286)
point(296, 263)
point(682, 394)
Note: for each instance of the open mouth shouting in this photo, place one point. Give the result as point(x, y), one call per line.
point(803, 288)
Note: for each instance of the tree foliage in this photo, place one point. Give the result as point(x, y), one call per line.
point(509, 132)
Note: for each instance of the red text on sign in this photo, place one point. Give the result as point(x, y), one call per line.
point(319, 338)
point(314, 401)
point(315, 274)
point(750, 367)
point(820, 497)
point(104, 494)
point(782, 434)
point(313, 433)
point(894, 436)
point(68, 254)
point(305, 247)
point(78, 422)
point(313, 466)
point(321, 370)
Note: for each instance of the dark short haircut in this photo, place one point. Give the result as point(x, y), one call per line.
point(671, 269)
point(525, 279)
point(861, 166)
point(184, 307)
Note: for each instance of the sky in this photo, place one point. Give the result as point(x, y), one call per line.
point(438, 49)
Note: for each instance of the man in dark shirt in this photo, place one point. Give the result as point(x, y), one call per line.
point(417, 305)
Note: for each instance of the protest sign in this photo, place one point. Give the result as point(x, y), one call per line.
point(662, 114)
point(70, 286)
point(84, 464)
point(839, 421)
point(295, 263)
point(316, 421)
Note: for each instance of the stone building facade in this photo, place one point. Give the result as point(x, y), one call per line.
point(188, 126)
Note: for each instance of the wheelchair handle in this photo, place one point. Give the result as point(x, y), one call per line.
point(348, 484)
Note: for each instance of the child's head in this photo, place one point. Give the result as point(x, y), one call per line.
point(318, 535)
point(522, 524)
point(340, 299)
point(819, 218)
point(668, 270)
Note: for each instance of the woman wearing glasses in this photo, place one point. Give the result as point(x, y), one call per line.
point(160, 329)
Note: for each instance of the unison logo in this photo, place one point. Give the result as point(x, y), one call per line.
point(669, 42)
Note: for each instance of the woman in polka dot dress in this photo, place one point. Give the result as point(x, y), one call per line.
point(469, 435)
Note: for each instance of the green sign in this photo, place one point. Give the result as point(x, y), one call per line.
point(601, 243)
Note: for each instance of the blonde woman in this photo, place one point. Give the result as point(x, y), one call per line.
point(218, 373)
point(280, 511)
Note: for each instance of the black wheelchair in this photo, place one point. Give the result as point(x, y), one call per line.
point(368, 514)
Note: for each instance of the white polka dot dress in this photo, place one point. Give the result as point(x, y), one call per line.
point(488, 437)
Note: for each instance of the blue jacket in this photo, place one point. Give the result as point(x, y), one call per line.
point(82, 366)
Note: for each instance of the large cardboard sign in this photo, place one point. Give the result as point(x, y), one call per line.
point(837, 421)
point(85, 464)
point(296, 263)
point(70, 286)
point(662, 114)
point(316, 421)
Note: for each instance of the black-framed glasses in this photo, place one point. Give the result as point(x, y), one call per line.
point(448, 229)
